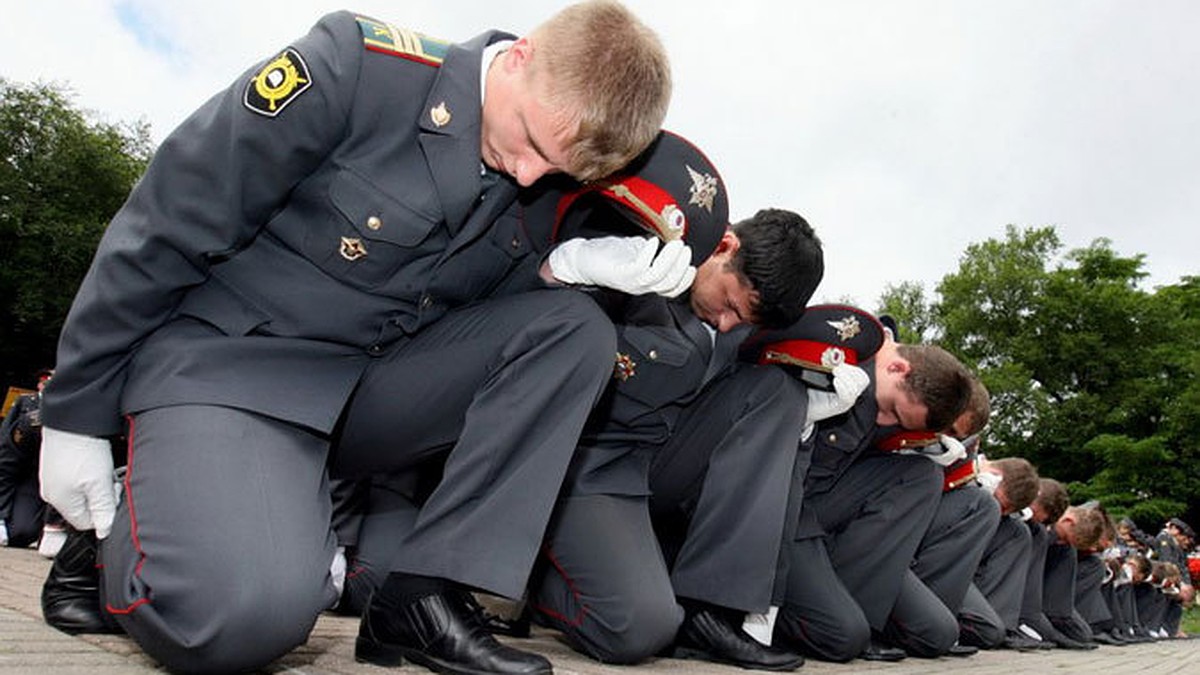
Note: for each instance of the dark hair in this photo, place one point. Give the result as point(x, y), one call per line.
point(979, 407)
point(1020, 481)
point(938, 380)
point(1052, 495)
point(781, 257)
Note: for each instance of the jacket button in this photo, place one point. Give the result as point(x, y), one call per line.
point(516, 242)
point(833, 438)
point(375, 350)
point(653, 354)
point(374, 223)
point(426, 302)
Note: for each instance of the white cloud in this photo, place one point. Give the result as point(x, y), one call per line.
point(903, 131)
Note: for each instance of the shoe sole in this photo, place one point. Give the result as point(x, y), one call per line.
point(701, 655)
point(369, 651)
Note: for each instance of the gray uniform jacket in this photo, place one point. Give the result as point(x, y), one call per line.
point(265, 259)
point(841, 439)
point(665, 358)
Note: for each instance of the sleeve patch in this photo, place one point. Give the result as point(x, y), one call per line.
point(279, 83)
point(388, 39)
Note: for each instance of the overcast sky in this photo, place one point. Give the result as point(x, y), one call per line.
point(902, 130)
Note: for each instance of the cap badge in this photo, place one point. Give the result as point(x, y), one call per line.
point(625, 367)
point(352, 248)
point(846, 328)
point(675, 219)
point(703, 190)
point(833, 357)
point(440, 115)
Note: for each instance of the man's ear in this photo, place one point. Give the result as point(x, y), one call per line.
point(899, 365)
point(729, 243)
point(519, 55)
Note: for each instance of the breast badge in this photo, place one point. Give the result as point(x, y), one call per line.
point(279, 83)
point(352, 248)
point(625, 367)
point(440, 115)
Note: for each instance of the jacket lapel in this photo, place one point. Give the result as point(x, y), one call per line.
point(450, 129)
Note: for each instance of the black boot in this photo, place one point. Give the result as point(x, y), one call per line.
point(443, 631)
point(71, 594)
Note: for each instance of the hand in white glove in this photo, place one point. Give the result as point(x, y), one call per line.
point(3, 533)
point(76, 474)
point(849, 382)
point(632, 265)
point(953, 450)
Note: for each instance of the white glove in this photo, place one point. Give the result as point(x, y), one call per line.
point(954, 451)
point(849, 382)
point(76, 474)
point(632, 265)
point(3, 534)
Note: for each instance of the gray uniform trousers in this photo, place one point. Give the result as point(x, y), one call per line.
point(604, 581)
point(1058, 592)
point(992, 606)
point(867, 528)
point(388, 512)
point(1119, 599)
point(1152, 606)
point(237, 503)
point(1089, 602)
point(924, 621)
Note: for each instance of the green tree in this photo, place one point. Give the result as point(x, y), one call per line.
point(906, 303)
point(1092, 378)
point(62, 177)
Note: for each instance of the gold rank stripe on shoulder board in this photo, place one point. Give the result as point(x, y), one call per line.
point(407, 44)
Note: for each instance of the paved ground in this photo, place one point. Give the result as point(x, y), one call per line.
point(28, 646)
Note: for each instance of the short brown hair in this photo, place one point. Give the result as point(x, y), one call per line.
point(1020, 481)
point(938, 381)
point(979, 409)
point(611, 71)
point(1052, 497)
point(1088, 528)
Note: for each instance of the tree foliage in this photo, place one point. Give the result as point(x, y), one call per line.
point(62, 177)
point(1092, 379)
point(906, 303)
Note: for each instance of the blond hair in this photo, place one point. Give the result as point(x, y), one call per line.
point(610, 73)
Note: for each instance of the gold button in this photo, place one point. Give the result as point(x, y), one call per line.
point(833, 438)
point(516, 242)
point(426, 302)
point(374, 223)
point(653, 354)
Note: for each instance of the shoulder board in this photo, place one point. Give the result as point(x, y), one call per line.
point(902, 440)
point(388, 39)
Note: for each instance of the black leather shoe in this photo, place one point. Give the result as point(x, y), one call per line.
point(1106, 639)
point(877, 651)
point(517, 626)
point(443, 632)
point(962, 650)
point(713, 635)
point(1019, 642)
point(1063, 642)
point(71, 594)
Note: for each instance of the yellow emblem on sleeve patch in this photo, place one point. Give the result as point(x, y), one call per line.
point(279, 83)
